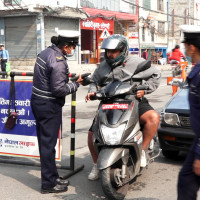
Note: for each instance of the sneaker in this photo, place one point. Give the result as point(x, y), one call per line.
point(143, 159)
point(94, 174)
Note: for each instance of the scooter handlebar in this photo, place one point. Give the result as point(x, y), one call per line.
point(82, 75)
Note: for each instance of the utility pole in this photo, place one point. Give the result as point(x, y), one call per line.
point(167, 23)
point(189, 1)
point(138, 3)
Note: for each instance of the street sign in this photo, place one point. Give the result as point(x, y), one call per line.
point(105, 33)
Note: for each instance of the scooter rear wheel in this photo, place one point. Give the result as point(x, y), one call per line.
point(109, 185)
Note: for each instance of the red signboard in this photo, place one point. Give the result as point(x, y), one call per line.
point(97, 24)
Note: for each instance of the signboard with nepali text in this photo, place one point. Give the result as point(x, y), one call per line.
point(97, 24)
point(22, 139)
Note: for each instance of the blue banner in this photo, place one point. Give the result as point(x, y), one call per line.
point(26, 121)
point(22, 139)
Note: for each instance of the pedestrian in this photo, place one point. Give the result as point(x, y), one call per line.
point(145, 54)
point(189, 175)
point(50, 86)
point(4, 57)
point(118, 65)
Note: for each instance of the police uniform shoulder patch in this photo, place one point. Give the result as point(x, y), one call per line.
point(59, 58)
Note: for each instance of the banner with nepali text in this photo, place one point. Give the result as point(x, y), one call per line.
point(22, 139)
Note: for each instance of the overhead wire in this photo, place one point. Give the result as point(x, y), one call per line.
point(155, 11)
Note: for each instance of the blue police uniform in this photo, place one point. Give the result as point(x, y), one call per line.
point(189, 182)
point(50, 86)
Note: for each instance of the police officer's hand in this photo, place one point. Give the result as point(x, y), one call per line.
point(80, 80)
point(89, 95)
point(196, 167)
point(140, 93)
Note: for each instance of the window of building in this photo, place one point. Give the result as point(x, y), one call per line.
point(147, 4)
point(161, 27)
point(160, 5)
point(143, 34)
point(12, 2)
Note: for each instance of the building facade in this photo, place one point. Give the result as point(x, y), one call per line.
point(153, 28)
point(181, 12)
point(27, 26)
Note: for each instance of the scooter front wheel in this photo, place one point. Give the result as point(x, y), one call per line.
point(110, 179)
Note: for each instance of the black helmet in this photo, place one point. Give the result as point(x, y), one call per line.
point(119, 42)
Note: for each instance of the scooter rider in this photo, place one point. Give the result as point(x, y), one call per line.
point(50, 86)
point(118, 65)
point(177, 55)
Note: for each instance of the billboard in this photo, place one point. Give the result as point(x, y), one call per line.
point(22, 139)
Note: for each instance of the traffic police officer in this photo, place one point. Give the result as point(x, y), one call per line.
point(189, 176)
point(50, 86)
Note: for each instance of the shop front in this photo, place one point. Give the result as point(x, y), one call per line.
point(93, 31)
point(102, 23)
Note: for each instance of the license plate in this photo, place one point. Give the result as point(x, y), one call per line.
point(114, 106)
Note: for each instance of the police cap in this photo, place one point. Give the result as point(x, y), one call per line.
point(191, 33)
point(72, 37)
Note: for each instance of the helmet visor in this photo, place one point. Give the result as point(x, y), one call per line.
point(111, 44)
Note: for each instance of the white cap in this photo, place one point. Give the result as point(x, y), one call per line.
point(190, 28)
point(68, 33)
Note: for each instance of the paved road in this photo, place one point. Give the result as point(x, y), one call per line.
point(158, 182)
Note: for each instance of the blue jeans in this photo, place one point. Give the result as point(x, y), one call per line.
point(188, 181)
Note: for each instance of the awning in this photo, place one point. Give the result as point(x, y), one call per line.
point(91, 12)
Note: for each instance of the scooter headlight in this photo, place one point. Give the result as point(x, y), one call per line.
point(112, 136)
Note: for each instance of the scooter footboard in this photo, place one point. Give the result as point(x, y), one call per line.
point(109, 156)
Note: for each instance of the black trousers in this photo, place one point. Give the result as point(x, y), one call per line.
point(188, 181)
point(3, 65)
point(48, 117)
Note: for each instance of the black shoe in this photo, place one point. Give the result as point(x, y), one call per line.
point(62, 181)
point(56, 189)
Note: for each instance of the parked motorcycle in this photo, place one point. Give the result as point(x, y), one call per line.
point(118, 137)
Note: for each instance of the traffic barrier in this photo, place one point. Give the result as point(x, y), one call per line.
point(183, 67)
point(71, 167)
point(183, 76)
point(169, 82)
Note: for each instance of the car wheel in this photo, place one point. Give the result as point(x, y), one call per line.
point(170, 154)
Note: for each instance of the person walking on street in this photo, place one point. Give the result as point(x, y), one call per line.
point(145, 54)
point(50, 86)
point(118, 65)
point(4, 56)
point(189, 175)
